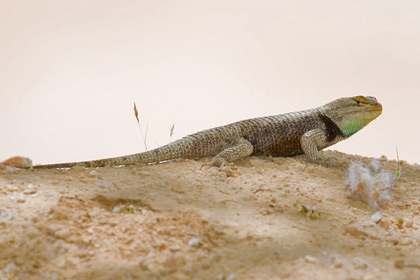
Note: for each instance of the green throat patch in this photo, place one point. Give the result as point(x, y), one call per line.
point(350, 127)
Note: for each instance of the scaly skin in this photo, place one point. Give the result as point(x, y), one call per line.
point(289, 134)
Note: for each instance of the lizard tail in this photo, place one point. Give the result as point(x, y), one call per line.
point(174, 150)
point(124, 160)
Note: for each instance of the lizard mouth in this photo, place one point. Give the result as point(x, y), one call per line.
point(377, 109)
point(374, 112)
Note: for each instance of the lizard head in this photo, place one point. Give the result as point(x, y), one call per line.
point(351, 114)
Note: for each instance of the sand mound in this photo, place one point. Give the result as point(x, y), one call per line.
point(265, 218)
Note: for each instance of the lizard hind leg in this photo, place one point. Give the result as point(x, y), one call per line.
point(238, 149)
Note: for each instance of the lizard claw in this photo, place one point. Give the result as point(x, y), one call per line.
point(219, 164)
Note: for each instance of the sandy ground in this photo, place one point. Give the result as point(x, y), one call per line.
point(175, 221)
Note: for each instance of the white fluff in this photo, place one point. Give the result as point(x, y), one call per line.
point(369, 184)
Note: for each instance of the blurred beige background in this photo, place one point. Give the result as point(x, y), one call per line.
point(71, 70)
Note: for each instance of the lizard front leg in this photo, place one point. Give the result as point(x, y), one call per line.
point(311, 142)
point(239, 148)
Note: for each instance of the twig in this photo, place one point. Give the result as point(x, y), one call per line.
point(136, 114)
point(398, 173)
point(171, 132)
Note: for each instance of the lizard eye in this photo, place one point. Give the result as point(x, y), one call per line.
point(360, 100)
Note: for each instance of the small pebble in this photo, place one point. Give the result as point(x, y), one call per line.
point(19, 198)
point(10, 268)
point(377, 217)
point(116, 209)
point(195, 242)
point(337, 263)
point(408, 222)
point(11, 188)
point(385, 223)
point(231, 276)
point(20, 162)
point(310, 259)
point(92, 174)
point(30, 191)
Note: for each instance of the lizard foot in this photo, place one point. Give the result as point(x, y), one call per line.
point(213, 164)
point(228, 168)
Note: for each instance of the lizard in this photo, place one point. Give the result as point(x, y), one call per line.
point(303, 132)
